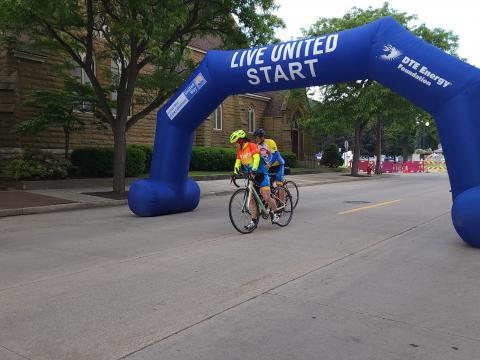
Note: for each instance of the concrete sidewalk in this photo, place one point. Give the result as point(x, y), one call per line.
point(16, 202)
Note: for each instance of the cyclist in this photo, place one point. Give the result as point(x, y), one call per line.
point(249, 160)
point(273, 160)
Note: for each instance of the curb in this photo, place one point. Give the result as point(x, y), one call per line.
point(85, 183)
point(59, 207)
point(110, 203)
point(107, 182)
point(79, 206)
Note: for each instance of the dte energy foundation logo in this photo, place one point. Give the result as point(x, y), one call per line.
point(413, 67)
point(392, 53)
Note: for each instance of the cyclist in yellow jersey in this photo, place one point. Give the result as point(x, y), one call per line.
point(269, 152)
point(248, 159)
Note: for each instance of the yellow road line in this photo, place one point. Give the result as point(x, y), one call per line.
point(369, 207)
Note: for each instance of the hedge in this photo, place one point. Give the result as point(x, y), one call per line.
point(213, 159)
point(135, 162)
point(216, 159)
point(99, 161)
point(148, 150)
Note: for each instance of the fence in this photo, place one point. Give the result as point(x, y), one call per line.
point(409, 167)
point(308, 161)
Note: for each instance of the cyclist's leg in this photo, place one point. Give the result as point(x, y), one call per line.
point(280, 180)
point(273, 175)
point(253, 209)
point(264, 184)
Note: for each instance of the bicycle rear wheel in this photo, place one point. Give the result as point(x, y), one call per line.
point(239, 211)
point(286, 207)
point(293, 189)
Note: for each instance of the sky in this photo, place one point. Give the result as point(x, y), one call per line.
point(459, 16)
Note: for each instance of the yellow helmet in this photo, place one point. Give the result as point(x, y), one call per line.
point(237, 134)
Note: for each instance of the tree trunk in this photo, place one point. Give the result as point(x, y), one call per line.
point(67, 143)
point(119, 158)
point(356, 149)
point(405, 150)
point(378, 147)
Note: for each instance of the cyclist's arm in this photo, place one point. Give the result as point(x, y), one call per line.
point(255, 155)
point(275, 157)
point(238, 165)
point(275, 153)
point(256, 162)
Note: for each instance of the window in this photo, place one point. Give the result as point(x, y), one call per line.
point(82, 77)
point(217, 118)
point(251, 119)
point(116, 71)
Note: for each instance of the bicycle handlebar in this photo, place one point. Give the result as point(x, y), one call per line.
point(240, 175)
point(233, 179)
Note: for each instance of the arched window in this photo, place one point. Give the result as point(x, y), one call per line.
point(217, 118)
point(251, 119)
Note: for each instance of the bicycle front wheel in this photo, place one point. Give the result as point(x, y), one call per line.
point(285, 206)
point(293, 189)
point(239, 211)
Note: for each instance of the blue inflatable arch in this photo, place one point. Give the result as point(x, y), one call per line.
point(446, 87)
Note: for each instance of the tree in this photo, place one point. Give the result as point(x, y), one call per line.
point(297, 108)
point(358, 104)
point(296, 104)
point(352, 106)
point(148, 40)
point(57, 109)
point(331, 156)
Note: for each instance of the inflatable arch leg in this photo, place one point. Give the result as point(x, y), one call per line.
point(446, 87)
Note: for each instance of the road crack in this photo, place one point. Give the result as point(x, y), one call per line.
point(269, 291)
point(14, 352)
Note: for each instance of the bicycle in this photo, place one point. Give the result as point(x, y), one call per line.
point(239, 205)
point(290, 185)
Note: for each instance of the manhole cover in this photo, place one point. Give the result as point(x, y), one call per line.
point(357, 202)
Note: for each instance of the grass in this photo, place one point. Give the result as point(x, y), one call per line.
point(321, 169)
point(297, 170)
point(207, 172)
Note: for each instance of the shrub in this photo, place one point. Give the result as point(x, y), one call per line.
point(19, 168)
point(331, 156)
point(290, 158)
point(36, 165)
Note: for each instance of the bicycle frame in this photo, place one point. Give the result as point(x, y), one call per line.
point(251, 190)
point(264, 210)
point(281, 217)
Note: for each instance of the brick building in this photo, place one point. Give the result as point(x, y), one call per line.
point(23, 70)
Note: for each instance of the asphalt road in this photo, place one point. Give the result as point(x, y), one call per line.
point(366, 270)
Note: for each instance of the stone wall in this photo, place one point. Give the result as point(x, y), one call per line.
point(8, 99)
point(23, 72)
point(278, 129)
